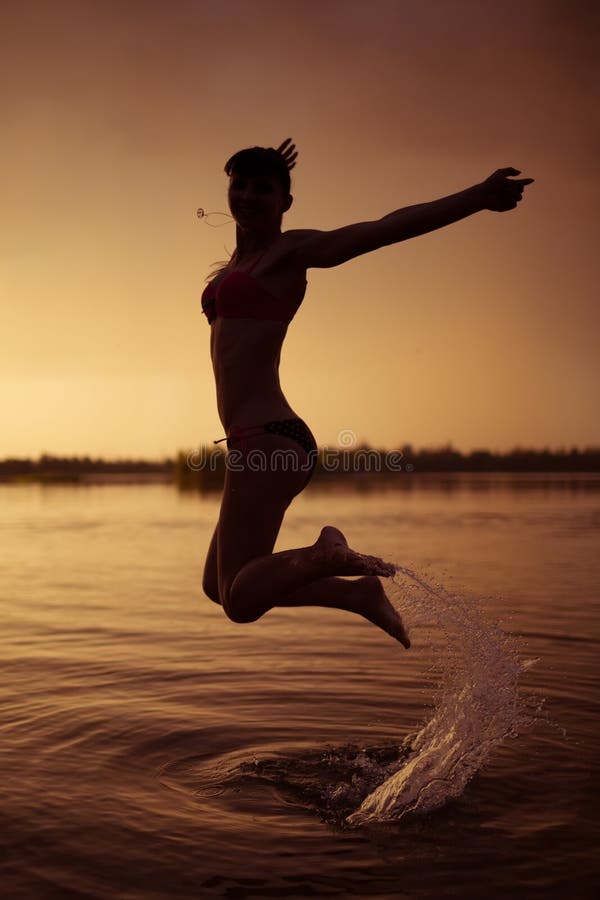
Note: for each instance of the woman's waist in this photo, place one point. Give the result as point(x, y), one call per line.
point(254, 412)
point(241, 380)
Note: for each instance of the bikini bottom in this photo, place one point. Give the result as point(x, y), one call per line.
point(295, 428)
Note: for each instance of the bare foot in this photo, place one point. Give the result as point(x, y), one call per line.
point(373, 604)
point(332, 547)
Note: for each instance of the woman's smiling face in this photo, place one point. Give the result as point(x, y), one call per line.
point(256, 199)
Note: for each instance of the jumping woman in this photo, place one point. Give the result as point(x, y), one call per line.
point(249, 305)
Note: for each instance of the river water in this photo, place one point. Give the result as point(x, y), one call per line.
point(151, 748)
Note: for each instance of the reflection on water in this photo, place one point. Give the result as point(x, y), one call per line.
point(153, 748)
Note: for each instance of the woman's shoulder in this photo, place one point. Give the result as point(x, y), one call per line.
point(291, 241)
point(295, 239)
point(296, 236)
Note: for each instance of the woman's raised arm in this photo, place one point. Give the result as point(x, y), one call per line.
point(324, 249)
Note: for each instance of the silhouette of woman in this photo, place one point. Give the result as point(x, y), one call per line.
point(271, 451)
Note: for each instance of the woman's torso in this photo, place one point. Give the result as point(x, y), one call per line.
point(246, 352)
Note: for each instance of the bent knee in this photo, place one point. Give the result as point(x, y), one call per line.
point(236, 606)
point(241, 616)
point(237, 613)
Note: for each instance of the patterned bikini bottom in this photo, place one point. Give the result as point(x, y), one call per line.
point(295, 428)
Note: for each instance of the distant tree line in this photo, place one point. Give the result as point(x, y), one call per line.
point(203, 469)
point(72, 468)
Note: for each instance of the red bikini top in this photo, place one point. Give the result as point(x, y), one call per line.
point(240, 296)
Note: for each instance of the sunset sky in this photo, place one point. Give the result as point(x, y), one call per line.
point(118, 118)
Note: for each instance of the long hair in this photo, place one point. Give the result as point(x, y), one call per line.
point(254, 161)
point(222, 265)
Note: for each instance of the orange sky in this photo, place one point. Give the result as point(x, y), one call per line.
point(118, 118)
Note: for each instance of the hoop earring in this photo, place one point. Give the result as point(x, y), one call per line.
point(214, 224)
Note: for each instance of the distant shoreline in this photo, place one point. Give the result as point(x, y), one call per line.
point(203, 469)
point(361, 481)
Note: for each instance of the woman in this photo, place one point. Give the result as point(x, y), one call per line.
point(249, 316)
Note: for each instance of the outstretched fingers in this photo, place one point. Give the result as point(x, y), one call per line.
point(289, 153)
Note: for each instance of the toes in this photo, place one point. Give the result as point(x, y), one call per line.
point(385, 569)
point(376, 562)
point(402, 635)
point(397, 630)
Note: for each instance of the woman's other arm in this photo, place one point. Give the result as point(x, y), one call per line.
point(324, 249)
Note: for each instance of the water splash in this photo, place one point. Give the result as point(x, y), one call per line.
point(476, 708)
point(478, 704)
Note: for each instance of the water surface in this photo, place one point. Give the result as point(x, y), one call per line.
point(151, 748)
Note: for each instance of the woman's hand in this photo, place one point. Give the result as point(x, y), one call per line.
point(288, 153)
point(499, 193)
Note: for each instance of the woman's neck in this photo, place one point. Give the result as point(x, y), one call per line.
point(248, 245)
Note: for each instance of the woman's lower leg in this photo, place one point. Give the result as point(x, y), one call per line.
point(307, 577)
point(301, 577)
point(334, 592)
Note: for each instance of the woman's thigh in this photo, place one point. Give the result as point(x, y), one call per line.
point(255, 499)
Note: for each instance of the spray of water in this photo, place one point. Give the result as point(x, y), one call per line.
point(477, 704)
